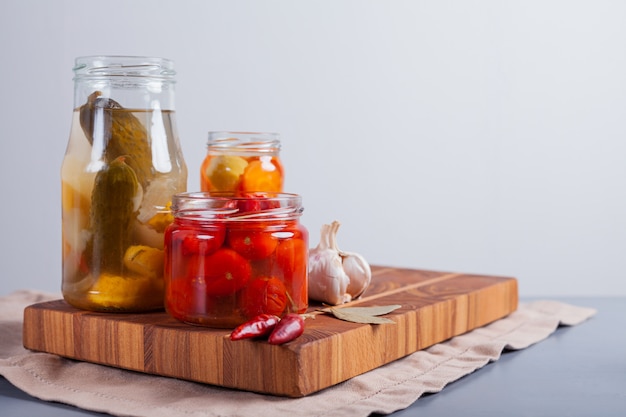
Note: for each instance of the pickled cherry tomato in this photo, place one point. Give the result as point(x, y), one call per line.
point(189, 240)
point(222, 172)
point(224, 272)
point(194, 243)
point(291, 257)
point(252, 244)
point(186, 297)
point(251, 205)
point(264, 174)
point(264, 295)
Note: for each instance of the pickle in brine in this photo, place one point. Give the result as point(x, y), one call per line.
point(121, 132)
point(113, 208)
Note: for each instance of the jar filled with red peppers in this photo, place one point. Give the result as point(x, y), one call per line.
point(230, 258)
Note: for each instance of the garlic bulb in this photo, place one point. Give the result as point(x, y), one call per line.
point(335, 276)
point(328, 281)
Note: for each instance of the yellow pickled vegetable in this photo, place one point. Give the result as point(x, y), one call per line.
point(115, 292)
point(144, 261)
point(162, 219)
point(72, 198)
point(223, 172)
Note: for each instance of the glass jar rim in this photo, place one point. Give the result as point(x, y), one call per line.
point(229, 207)
point(104, 66)
point(243, 141)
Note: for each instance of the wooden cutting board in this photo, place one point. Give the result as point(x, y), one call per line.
point(435, 306)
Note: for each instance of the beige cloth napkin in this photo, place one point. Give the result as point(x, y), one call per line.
point(389, 388)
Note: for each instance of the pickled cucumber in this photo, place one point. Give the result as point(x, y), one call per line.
point(111, 215)
point(123, 134)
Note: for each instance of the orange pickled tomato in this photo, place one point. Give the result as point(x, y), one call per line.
point(264, 174)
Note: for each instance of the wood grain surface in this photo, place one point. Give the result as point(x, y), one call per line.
point(435, 306)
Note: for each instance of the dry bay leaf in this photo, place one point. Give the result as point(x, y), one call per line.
point(369, 315)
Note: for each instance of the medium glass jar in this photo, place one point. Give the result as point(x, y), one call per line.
point(122, 165)
point(242, 162)
point(228, 259)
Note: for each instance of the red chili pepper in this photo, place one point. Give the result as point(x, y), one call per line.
point(289, 328)
point(260, 325)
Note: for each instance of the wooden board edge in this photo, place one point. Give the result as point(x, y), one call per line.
point(298, 386)
point(506, 290)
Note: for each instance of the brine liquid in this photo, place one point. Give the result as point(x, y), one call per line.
point(132, 280)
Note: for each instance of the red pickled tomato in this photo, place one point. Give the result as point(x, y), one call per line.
point(265, 295)
point(252, 244)
point(250, 204)
point(203, 242)
point(185, 297)
point(291, 257)
point(225, 272)
point(254, 202)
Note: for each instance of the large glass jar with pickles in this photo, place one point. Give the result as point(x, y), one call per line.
point(122, 166)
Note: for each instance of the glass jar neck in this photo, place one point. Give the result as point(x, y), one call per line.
point(205, 206)
point(136, 83)
point(243, 143)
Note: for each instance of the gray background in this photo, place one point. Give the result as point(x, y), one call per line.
point(469, 136)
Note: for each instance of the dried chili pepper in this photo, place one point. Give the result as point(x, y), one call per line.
point(289, 328)
point(260, 325)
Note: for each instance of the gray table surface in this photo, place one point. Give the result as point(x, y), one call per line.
point(577, 371)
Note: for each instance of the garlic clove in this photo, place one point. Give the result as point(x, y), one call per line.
point(355, 266)
point(359, 272)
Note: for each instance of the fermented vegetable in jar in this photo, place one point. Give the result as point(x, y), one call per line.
point(231, 258)
point(122, 165)
point(242, 162)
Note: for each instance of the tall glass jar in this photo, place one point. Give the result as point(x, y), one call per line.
point(242, 162)
point(228, 259)
point(122, 165)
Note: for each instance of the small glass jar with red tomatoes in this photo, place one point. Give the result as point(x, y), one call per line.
point(230, 258)
point(242, 162)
